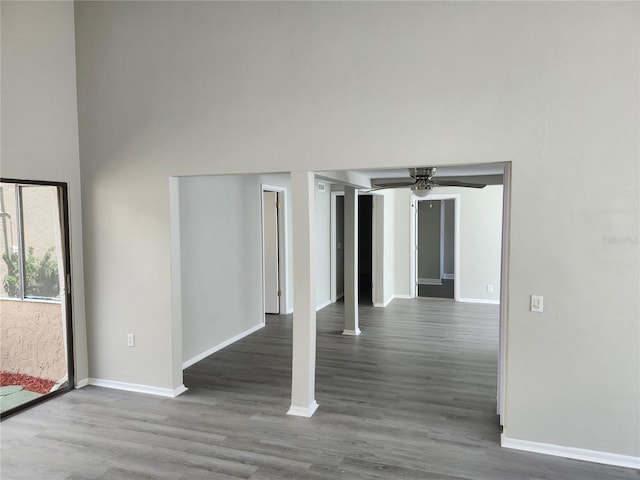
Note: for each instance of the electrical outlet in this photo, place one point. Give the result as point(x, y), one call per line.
point(131, 340)
point(489, 288)
point(537, 303)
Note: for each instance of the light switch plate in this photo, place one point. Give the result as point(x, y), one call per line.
point(537, 304)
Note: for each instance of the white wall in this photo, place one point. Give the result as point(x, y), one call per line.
point(39, 121)
point(323, 245)
point(480, 241)
point(253, 87)
point(221, 260)
point(403, 243)
point(384, 242)
point(389, 247)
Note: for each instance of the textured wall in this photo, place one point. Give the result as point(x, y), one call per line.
point(32, 339)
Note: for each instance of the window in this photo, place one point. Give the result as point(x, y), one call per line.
point(31, 244)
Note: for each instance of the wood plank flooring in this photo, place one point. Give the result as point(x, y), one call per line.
point(413, 397)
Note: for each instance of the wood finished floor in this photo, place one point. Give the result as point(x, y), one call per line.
point(412, 398)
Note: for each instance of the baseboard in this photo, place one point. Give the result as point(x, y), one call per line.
point(323, 304)
point(82, 383)
point(448, 276)
point(387, 302)
point(403, 296)
point(574, 453)
point(134, 387)
point(220, 346)
point(479, 300)
point(352, 333)
point(430, 281)
point(303, 411)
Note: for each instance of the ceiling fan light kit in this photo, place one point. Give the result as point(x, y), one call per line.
point(422, 190)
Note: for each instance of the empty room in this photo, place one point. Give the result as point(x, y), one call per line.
point(321, 240)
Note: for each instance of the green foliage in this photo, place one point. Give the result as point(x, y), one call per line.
point(11, 281)
point(41, 275)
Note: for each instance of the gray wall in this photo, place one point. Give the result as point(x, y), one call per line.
point(221, 260)
point(449, 236)
point(40, 124)
point(234, 87)
point(428, 226)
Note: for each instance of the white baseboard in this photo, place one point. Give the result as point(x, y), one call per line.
point(134, 387)
point(386, 302)
point(403, 295)
point(82, 383)
point(220, 346)
point(479, 300)
point(303, 411)
point(574, 453)
point(323, 304)
point(352, 333)
point(429, 281)
point(448, 276)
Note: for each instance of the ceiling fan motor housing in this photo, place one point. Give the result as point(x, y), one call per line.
point(422, 173)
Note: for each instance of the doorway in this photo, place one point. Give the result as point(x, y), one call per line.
point(36, 359)
point(365, 249)
point(273, 248)
point(435, 256)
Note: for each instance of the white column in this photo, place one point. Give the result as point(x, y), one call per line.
point(351, 262)
point(303, 375)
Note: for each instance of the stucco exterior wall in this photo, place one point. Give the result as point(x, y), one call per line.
point(32, 339)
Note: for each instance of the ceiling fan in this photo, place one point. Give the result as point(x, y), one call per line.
point(422, 182)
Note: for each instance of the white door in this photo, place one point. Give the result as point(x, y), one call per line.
point(270, 253)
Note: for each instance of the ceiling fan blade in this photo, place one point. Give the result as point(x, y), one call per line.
point(407, 183)
point(455, 183)
point(385, 188)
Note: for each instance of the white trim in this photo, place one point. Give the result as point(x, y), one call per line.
point(82, 383)
point(302, 411)
point(385, 303)
point(448, 276)
point(353, 333)
point(504, 291)
point(479, 300)
point(429, 281)
point(324, 304)
point(403, 296)
point(220, 346)
point(134, 387)
point(570, 452)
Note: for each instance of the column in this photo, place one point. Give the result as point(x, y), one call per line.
point(351, 261)
point(303, 375)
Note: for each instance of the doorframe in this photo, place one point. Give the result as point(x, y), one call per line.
point(504, 292)
point(333, 281)
point(413, 270)
point(374, 244)
point(282, 244)
point(67, 304)
point(377, 236)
